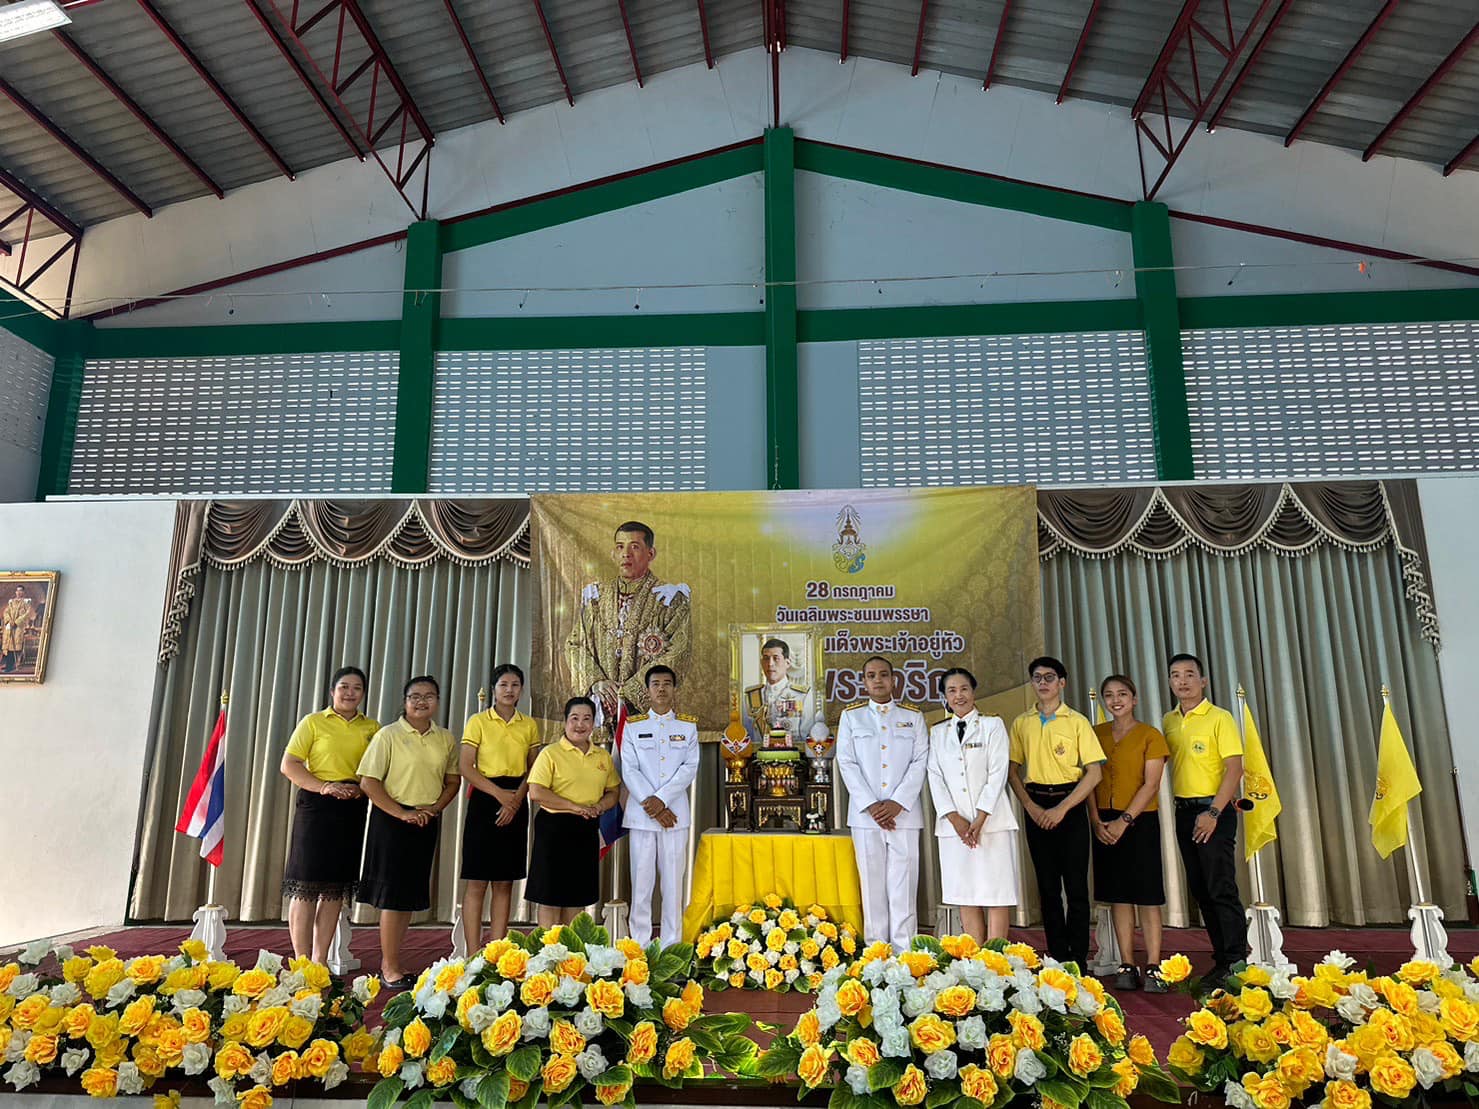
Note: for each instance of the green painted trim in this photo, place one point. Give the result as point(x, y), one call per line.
point(699, 329)
point(1032, 318)
point(421, 311)
point(599, 197)
point(58, 436)
point(1316, 309)
point(225, 340)
point(782, 382)
point(963, 185)
point(1155, 287)
point(25, 322)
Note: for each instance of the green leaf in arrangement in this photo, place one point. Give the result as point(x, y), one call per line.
point(616, 1076)
point(1065, 1093)
point(385, 1093)
point(968, 1103)
point(493, 1091)
point(780, 1060)
point(884, 1074)
point(1155, 1083)
point(716, 985)
point(590, 932)
point(480, 1055)
point(1103, 1099)
point(943, 1093)
point(422, 1098)
point(398, 1010)
point(568, 1094)
point(530, 1098)
point(461, 1100)
point(524, 1063)
point(1004, 1094)
point(842, 1097)
point(622, 1028)
point(571, 939)
point(672, 963)
point(444, 1043)
point(928, 943)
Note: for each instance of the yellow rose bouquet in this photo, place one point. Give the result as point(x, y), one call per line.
point(544, 1016)
point(773, 946)
point(1337, 1036)
point(128, 1025)
point(952, 1024)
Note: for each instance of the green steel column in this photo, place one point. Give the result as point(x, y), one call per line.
point(782, 398)
point(1150, 233)
point(421, 312)
point(73, 340)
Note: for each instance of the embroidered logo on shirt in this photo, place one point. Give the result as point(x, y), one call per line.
point(1060, 750)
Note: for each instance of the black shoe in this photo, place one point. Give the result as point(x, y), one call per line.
point(1128, 977)
point(1154, 983)
point(1216, 978)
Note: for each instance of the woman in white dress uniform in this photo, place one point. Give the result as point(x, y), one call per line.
point(975, 824)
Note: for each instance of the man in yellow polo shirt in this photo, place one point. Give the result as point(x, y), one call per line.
point(1206, 769)
point(1056, 761)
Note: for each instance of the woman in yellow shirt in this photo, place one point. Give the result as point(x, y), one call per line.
point(498, 748)
point(322, 756)
point(409, 773)
point(573, 782)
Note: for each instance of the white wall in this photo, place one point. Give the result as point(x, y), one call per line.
point(1452, 528)
point(73, 747)
point(1316, 189)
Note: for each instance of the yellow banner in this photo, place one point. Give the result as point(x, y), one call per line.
point(770, 602)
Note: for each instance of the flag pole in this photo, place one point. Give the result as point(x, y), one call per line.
point(210, 919)
point(1266, 932)
point(210, 881)
point(1107, 954)
point(1414, 872)
point(1429, 938)
point(459, 938)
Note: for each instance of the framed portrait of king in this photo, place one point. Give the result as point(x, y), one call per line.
point(776, 671)
point(27, 602)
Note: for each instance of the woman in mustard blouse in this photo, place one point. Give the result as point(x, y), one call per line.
point(573, 782)
point(321, 759)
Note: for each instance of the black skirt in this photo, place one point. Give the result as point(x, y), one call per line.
point(324, 852)
point(1129, 872)
point(564, 870)
point(398, 856)
point(491, 853)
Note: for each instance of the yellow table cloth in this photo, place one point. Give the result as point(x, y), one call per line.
point(731, 869)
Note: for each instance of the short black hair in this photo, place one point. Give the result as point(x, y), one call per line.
point(659, 669)
point(576, 702)
point(953, 671)
point(1051, 663)
point(507, 668)
point(424, 679)
point(346, 671)
point(774, 642)
point(878, 658)
point(637, 525)
point(1183, 657)
point(1124, 681)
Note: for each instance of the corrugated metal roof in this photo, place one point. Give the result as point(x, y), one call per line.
point(1036, 46)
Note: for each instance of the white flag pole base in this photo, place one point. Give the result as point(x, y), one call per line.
point(210, 929)
point(459, 940)
point(947, 921)
point(1266, 937)
point(1429, 938)
point(616, 919)
point(1108, 957)
point(340, 961)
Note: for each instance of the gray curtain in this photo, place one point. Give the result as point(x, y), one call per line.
point(1311, 638)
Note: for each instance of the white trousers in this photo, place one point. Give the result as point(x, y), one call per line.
point(658, 858)
point(888, 864)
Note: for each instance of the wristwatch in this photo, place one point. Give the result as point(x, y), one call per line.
point(1215, 812)
point(1128, 819)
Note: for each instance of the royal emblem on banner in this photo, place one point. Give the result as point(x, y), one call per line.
point(1257, 787)
point(849, 552)
point(1381, 788)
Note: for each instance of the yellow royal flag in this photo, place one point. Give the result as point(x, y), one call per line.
point(1099, 717)
point(1258, 787)
point(1396, 785)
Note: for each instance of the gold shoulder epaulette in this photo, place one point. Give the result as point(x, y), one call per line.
point(637, 719)
point(907, 705)
point(686, 718)
point(855, 705)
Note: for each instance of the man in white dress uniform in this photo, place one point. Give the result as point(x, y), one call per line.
point(659, 760)
point(882, 753)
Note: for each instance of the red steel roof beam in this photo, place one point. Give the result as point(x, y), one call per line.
point(549, 40)
point(1340, 71)
point(924, 7)
point(473, 58)
point(137, 112)
point(1462, 156)
point(1001, 27)
point(846, 20)
point(23, 192)
point(215, 86)
point(368, 32)
point(1083, 37)
point(703, 26)
point(308, 84)
point(73, 147)
point(1454, 56)
point(1253, 56)
point(626, 25)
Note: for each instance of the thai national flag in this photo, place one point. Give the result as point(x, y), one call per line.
point(611, 821)
point(204, 814)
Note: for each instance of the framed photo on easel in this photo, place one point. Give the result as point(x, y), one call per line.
point(27, 602)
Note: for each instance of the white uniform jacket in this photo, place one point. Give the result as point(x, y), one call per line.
point(659, 755)
point(881, 756)
point(970, 774)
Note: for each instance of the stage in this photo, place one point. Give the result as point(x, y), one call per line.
point(1158, 1017)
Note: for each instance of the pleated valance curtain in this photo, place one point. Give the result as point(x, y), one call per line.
point(1310, 595)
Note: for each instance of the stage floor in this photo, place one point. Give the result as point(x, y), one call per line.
point(1157, 1016)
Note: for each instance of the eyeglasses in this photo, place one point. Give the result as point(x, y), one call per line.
point(421, 698)
point(1045, 678)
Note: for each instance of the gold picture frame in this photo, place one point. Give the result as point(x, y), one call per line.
point(806, 664)
point(27, 605)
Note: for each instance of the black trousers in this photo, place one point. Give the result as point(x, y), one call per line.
point(1060, 859)
point(1212, 880)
